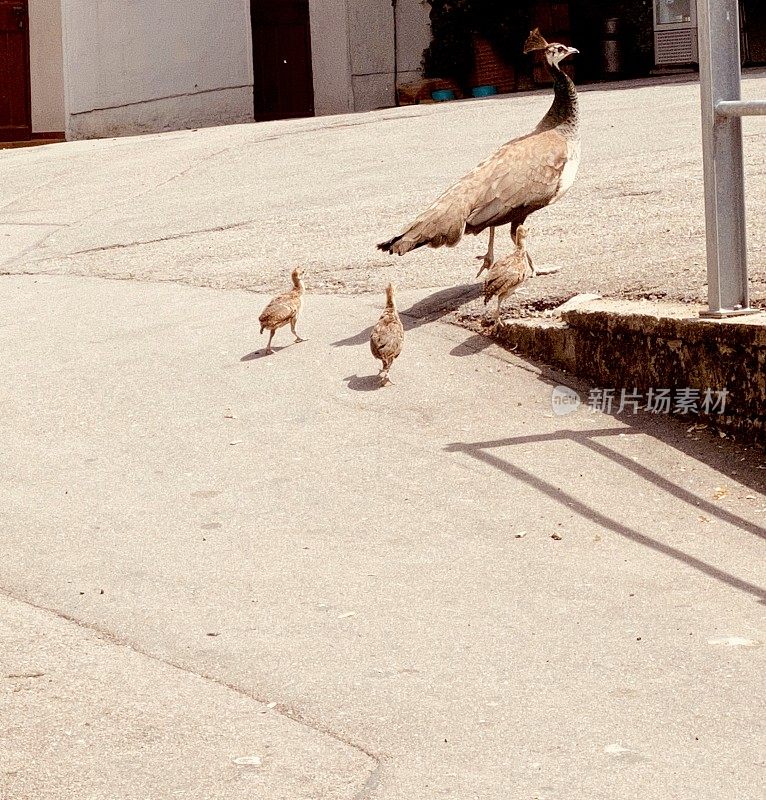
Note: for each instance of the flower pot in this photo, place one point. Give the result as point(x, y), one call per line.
point(421, 91)
point(483, 91)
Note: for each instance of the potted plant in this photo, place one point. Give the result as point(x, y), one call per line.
point(450, 54)
point(477, 43)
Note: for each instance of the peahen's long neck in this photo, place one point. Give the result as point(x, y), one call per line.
point(564, 112)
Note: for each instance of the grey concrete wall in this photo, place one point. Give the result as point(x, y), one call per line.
point(144, 66)
point(352, 44)
point(46, 66)
point(331, 57)
point(371, 36)
point(414, 34)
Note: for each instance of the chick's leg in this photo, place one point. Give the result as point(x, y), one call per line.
point(271, 336)
point(384, 379)
point(489, 256)
point(293, 322)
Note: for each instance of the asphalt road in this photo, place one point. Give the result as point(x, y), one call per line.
point(438, 589)
point(237, 207)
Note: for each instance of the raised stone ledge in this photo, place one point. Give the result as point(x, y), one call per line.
point(643, 345)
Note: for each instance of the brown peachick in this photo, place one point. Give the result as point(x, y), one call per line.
point(507, 273)
point(284, 309)
point(523, 176)
point(387, 338)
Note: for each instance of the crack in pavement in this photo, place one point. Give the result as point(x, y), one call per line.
point(142, 193)
point(170, 238)
point(111, 207)
point(372, 782)
point(17, 257)
point(34, 224)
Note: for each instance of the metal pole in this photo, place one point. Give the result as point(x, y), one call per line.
point(396, 52)
point(720, 79)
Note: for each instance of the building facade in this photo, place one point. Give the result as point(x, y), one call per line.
point(31, 69)
point(96, 68)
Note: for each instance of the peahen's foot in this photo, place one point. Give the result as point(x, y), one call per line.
point(486, 263)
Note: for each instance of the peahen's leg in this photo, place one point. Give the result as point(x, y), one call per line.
point(489, 256)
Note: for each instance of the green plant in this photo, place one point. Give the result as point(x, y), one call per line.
point(454, 23)
point(504, 23)
point(637, 32)
point(450, 54)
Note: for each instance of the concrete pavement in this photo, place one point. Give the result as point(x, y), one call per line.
point(85, 715)
point(446, 589)
point(237, 207)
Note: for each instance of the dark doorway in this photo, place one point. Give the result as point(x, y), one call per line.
point(15, 103)
point(283, 79)
point(754, 23)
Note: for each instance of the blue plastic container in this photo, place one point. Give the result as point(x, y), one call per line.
point(483, 91)
point(440, 95)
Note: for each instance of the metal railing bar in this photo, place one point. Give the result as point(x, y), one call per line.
point(741, 108)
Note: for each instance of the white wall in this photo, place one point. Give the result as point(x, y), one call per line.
point(135, 66)
point(46, 66)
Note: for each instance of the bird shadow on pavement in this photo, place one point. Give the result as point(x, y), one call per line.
point(261, 353)
point(429, 309)
point(363, 383)
point(472, 345)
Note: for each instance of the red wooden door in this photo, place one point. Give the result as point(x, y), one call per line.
point(283, 79)
point(15, 104)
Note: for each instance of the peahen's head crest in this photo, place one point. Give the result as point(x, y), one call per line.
point(535, 41)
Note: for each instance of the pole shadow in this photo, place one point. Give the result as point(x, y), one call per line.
point(741, 462)
point(480, 452)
